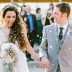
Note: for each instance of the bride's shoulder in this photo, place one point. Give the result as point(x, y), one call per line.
point(1, 25)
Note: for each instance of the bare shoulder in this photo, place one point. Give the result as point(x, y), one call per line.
point(1, 25)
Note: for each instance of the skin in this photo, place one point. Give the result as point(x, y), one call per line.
point(9, 18)
point(28, 9)
point(60, 18)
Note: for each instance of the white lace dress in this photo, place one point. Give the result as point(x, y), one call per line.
point(20, 63)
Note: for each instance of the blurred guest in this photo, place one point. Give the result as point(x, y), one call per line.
point(31, 24)
point(23, 11)
point(39, 26)
point(49, 18)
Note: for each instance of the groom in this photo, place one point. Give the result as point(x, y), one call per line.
point(53, 38)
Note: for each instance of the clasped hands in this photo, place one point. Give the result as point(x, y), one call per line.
point(44, 62)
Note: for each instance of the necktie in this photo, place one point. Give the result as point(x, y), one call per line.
point(61, 33)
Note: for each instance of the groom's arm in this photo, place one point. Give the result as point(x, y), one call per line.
point(45, 63)
point(44, 44)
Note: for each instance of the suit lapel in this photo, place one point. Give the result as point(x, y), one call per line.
point(62, 41)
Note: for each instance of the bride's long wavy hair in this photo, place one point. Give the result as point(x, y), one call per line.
point(16, 29)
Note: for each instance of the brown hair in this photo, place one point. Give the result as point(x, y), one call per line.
point(64, 8)
point(16, 29)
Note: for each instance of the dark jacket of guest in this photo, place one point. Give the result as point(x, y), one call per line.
point(31, 35)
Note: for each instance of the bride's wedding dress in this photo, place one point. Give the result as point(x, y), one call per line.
point(12, 59)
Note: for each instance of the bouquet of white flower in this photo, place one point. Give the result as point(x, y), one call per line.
point(8, 56)
point(12, 59)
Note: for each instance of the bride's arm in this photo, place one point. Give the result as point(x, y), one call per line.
point(30, 50)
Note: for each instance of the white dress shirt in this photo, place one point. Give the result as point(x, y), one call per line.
point(64, 30)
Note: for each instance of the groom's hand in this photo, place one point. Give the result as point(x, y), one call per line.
point(45, 63)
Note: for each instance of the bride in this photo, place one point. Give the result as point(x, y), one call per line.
point(13, 33)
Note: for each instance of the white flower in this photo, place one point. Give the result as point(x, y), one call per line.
point(8, 52)
point(9, 56)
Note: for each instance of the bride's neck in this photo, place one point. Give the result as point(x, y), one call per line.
point(6, 26)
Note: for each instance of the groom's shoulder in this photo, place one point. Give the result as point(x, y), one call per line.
point(49, 26)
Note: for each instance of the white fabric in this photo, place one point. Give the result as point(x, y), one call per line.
point(21, 63)
point(64, 30)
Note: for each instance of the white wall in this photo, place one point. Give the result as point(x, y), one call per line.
point(43, 6)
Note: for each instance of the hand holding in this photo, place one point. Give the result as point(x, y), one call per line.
point(45, 63)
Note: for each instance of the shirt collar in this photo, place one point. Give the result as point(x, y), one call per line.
point(28, 13)
point(64, 26)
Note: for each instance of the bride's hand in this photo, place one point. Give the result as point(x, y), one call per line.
point(37, 58)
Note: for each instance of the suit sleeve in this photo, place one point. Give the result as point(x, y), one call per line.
point(44, 44)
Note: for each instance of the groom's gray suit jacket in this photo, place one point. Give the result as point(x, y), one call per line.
point(65, 55)
point(50, 45)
